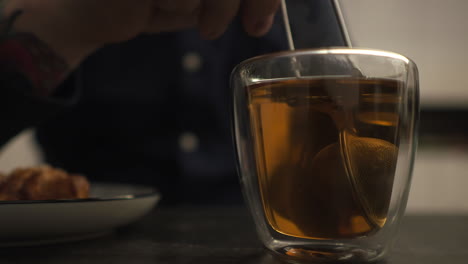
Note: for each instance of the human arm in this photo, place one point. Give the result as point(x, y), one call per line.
point(50, 38)
point(74, 29)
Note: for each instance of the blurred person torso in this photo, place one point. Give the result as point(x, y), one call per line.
point(156, 111)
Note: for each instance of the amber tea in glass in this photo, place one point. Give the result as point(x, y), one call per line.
point(303, 167)
point(325, 144)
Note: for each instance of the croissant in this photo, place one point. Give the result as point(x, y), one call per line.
point(42, 183)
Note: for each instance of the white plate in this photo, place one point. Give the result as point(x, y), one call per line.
point(41, 222)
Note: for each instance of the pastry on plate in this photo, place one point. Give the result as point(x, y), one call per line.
point(42, 183)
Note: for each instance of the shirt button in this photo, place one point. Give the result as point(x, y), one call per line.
point(188, 142)
point(192, 62)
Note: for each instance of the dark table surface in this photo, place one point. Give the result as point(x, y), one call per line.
point(226, 235)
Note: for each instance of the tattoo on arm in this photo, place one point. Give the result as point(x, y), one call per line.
point(24, 53)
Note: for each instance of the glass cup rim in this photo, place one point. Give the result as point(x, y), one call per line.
point(328, 50)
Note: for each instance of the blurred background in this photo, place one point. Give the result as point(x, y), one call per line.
point(433, 34)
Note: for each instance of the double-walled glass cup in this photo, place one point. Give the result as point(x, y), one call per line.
point(325, 145)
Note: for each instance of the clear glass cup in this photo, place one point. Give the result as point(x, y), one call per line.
point(325, 145)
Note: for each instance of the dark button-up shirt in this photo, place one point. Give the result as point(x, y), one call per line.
point(156, 110)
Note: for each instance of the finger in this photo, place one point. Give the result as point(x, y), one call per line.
point(215, 17)
point(258, 16)
point(169, 22)
point(178, 6)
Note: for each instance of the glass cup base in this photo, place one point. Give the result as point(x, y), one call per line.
point(323, 253)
